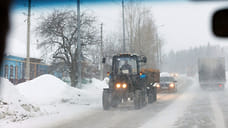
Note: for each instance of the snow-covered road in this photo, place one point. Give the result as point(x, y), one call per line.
point(190, 107)
point(209, 109)
point(126, 117)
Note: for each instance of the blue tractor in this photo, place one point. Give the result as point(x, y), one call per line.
point(128, 83)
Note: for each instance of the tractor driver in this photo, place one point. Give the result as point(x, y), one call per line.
point(126, 66)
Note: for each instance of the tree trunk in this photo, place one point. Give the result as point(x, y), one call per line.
point(73, 78)
point(73, 74)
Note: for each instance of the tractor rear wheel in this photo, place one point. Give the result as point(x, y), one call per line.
point(154, 94)
point(106, 98)
point(138, 99)
point(115, 102)
point(150, 98)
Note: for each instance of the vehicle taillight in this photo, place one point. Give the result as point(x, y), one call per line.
point(220, 85)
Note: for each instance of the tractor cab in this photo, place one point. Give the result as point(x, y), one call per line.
point(126, 64)
point(127, 82)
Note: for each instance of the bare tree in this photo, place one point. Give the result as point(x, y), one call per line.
point(113, 44)
point(142, 33)
point(58, 32)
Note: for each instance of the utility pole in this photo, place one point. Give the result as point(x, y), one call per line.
point(101, 56)
point(27, 75)
point(79, 46)
point(157, 42)
point(124, 46)
point(160, 54)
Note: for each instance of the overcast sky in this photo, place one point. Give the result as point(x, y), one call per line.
point(180, 25)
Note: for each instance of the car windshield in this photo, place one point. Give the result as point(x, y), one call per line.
point(113, 64)
point(166, 79)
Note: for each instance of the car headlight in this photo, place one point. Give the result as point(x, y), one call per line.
point(158, 85)
point(118, 85)
point(124, 85)
point(171, 85)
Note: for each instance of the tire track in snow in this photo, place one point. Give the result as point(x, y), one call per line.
point(219, 119)
point(126, 116)
point(205, 111)
point(221, 99)
point(167, 117)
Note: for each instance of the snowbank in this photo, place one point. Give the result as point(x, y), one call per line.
point(13, 105)
point(47, 89)
point(53, 97)
point(9, 92)
point(96, 84)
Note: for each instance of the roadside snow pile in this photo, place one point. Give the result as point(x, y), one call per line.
point(93, 92)
point(48, 89)
point(96, 84)
point(13, 105)
point(9, 92)
point(52, 95)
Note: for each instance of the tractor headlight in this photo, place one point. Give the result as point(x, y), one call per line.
point(158, 85)
point(118, 85)
point(124, 85)
point(155, 85)
point(171, 85)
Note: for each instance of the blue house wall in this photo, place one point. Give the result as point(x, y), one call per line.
point(12, 61)
point(43, 69)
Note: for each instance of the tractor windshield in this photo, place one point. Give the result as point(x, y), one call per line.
point(126, 65)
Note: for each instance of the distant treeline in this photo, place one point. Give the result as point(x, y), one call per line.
point(185, 61)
